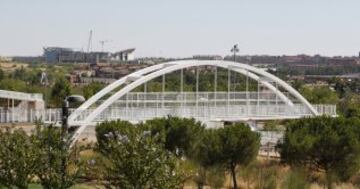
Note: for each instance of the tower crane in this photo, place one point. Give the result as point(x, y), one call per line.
point(89, 47)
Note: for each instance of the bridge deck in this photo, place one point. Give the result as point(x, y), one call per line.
point(204, 106)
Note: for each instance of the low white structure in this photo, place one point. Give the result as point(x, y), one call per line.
point(20, 107)
point(5, 59)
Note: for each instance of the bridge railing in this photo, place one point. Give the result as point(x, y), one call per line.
point(206, 113)
point(187, 97)
point(326, 109)
point(18, 115)
point(138, 106)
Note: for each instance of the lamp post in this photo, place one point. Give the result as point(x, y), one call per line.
point(64, 128)
point(234, 50)
point(65, 112)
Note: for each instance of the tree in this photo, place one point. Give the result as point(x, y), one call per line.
point(13, 85)
point(349, 106)
point(103, 131)
point(229, 146)
point(2, 74)
point(60, 91)
point(179, 135)
point(57, 166)
point(319, 95)
point(134, 158)
point(20, 74)
point(240, 146)
point(17, 162)
point(325, 144)
point(91, 89)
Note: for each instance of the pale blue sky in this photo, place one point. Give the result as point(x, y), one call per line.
point(181, 28)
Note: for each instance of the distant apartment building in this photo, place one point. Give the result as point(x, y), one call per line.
point(207, 57)
point(54, 54)
point(67, 55)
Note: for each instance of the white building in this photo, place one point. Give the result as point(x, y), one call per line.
point(124, 55)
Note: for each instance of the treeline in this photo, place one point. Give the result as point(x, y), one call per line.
point(145, 155)
point(175, 152)
point(317, 69)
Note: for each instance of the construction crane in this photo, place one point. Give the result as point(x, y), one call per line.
point(89, 47)
point(103, 43)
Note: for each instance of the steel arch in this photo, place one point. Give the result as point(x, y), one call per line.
point(161, 69)
point(142, 76)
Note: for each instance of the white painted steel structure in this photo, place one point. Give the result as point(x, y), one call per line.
point(142, 76)
point(21, 96)
point(19, 112)
point(204, 106)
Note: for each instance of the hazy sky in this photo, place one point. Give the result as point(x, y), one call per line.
point(181, 28)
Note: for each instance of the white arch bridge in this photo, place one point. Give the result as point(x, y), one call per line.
point(273, 99)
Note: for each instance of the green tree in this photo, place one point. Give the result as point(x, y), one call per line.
point(229, 147)
point(13, 85)
point(2, 74)
point(135, 159)
point(179, 135)
point(17, 162)
point(91, 89)
point(59, 91)
point(325, 144)
point(103, 131)
point(349, 106)
point(57, 166)
point(319, 95)
point(240, 146)
point(20, 74)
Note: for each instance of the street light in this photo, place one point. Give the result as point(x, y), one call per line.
point(234, 50)
point(64, 128)
point(65, 111)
